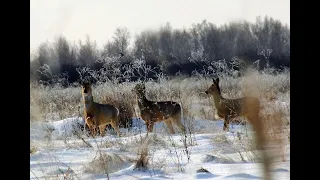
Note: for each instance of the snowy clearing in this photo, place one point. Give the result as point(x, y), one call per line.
point(59, 152)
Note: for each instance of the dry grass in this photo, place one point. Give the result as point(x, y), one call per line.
point(107, 163)
point(270, 86)
point(57, 103)
point(142, 161)
point(126, 110)
point(33, 149)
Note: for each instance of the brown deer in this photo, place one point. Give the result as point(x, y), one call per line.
point(98, 115)
point(152, 111)
point(248, 107)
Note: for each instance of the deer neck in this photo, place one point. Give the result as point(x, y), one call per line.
point(142, 100)
point(88, 101)
point(217, 98)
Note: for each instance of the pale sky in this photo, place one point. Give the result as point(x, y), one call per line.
point(100, 18)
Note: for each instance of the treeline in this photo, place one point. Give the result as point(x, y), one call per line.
point(166, 50)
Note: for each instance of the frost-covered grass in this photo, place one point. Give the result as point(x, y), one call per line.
point(59, 148)
point(55, 103)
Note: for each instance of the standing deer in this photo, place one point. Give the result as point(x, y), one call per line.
point(152, 111)
point(98, 115)
point(248, 107)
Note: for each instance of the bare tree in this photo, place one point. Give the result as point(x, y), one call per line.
point(88, 53)
point(121, 39)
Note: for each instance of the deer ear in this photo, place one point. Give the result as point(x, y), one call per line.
point(217, 80)
point(214, 81)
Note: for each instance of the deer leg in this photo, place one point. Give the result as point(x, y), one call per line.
point(87, 130)
point(102, 129)
point(87, 126)
point(151, 126)
point(147, 124)
point(93, 129)
point(181, 126)
point(115, 126)
point(169, 126)
point(177, 122)
point(226, 123)
point(92, 125)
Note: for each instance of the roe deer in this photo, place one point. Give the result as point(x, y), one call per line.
point(98, 115)
point(153, 111)
point(248, 107)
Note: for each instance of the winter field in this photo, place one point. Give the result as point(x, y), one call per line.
point(222, 154)
point(60, 149)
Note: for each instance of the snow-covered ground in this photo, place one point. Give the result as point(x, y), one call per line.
point(59, 152)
